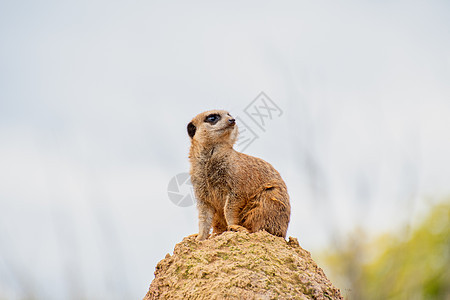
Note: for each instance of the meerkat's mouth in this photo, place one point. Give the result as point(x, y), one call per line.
point(227, 126)
point(224, 128)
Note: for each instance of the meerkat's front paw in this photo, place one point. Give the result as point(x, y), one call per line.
point(237, 228)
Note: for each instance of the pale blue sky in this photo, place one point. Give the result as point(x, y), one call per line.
point(95, 97)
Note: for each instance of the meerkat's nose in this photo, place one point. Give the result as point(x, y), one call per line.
point(232, 121)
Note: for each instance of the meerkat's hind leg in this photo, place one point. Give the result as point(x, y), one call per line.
point(271, 214)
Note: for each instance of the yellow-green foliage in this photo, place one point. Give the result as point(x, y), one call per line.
point(417, 267)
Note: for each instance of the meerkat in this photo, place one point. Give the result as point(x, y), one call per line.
point(234, 191)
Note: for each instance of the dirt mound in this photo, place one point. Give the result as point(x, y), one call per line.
point(239, 265)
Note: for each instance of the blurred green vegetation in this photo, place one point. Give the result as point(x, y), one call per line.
point(396, 266)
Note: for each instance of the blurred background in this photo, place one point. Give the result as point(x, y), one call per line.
point(95, 97)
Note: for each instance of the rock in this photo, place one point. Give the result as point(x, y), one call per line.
point(239, 265)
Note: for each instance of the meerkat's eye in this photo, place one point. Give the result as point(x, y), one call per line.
point(212, 118)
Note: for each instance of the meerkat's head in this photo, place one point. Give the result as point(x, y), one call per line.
point(213, 127)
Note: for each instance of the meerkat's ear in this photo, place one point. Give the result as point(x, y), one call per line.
point(191, 129)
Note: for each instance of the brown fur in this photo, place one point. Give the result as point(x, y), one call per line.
point(235, 191)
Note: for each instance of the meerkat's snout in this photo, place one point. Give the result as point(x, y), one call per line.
point(232, 122)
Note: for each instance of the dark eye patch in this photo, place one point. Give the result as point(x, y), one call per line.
point(212, 118)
